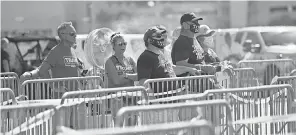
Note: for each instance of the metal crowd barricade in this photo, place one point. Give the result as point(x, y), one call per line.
point(35, 119)
point(214, 111)
point(199, 127)
point(165, 87)
point(247, 102)
point(286, 80)
point(277, 123)
point(7, 96)
point(54, 88)
point(10, 80)
point(98, 108)
point(267, 69)
point(244, 77)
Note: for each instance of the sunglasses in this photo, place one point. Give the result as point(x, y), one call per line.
point(160, 36)
point(71, 34)
point(122, 44)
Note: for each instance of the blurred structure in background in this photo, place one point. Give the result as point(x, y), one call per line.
point(42, 18)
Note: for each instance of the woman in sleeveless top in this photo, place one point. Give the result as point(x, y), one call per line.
point(121, 71)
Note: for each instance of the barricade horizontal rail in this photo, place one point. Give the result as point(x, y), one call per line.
point(54, 88)
point(214, 111)
point(10, 80)
point(247, 102)
point(278, 123)
point(100, 105)
point(7, 96)
point(267, 69)
point(199, 127)
point(28, 119)
point(164, 87)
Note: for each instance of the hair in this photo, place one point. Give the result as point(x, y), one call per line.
point(63, 26)
point(114, 37)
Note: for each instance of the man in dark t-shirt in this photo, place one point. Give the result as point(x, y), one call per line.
point(186, 50)
point(153, 63)
point(5, 67)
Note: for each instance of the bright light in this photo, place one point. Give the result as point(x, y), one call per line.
point(151, 3)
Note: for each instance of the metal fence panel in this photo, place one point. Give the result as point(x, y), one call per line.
point(10, 80)
point(54, 88)
point(267, 69)
point(216, 111)
point(99, 107)
point(165, 87)
point(276, 123)
point(28, 119)
point(7, 96)
point(248, 102)
point(244, 77)
point(200, 127)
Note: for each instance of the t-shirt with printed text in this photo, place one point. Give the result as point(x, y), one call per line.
point(128, 66)
point(63, 62)
point(151, 66)
point(187, 48)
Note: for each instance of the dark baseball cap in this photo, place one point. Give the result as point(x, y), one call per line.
point(155, 29)
point(189, 17)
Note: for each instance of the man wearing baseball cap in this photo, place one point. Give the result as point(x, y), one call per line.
point(186, 50)
point(153, 63)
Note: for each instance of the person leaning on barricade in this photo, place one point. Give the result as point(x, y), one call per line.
point(186, 50)
point(121, 71)
point(153, 63)
point(61, 60)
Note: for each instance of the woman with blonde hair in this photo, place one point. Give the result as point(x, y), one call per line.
point(121, 70)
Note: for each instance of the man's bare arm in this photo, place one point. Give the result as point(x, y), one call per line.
point(41, 71)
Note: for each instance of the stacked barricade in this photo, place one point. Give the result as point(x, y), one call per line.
point(28, 119)
point(198, 127)
point(97, 108)
point(168, 113)
point(267, 69)
point(279, 123)
point(244, 77)
point(10, 80)
point(54, 88)
point(166, 87)
point(248, 102)
point(7, 97)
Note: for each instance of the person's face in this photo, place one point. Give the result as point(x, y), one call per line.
point(69, 34)
point(193, 26)
point(119, 45)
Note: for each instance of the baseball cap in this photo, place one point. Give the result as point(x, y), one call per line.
point(189, 17)
point(152, 30)
point(205, 30)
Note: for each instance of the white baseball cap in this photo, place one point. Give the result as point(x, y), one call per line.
point(204, 30)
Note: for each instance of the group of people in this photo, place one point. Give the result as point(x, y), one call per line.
point(189, 55)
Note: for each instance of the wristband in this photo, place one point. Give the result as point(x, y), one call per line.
point(31, 74)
